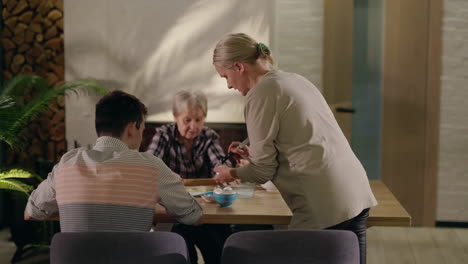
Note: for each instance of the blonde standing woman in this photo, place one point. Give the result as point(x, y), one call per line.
point(295, 142)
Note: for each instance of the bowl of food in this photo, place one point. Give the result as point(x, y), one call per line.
point(224, 196)
point(208, 197)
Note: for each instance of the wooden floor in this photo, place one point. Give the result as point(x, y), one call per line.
point(389, 245)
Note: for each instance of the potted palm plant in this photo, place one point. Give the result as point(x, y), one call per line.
point(15, 116)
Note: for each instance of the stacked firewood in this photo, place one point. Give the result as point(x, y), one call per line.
point(32, 40)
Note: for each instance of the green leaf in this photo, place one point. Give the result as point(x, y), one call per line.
point(14, 185)
point(8, 116)
point(16, 173)
point(17, 85)
point(88, 87)
point(6, 102)
point(13, 118)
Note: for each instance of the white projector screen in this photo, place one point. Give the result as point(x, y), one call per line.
point(153, 49)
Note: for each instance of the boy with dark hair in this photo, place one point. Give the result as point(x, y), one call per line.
point(112, 187)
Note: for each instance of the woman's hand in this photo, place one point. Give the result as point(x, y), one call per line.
point(239, 153)
point(224, 174)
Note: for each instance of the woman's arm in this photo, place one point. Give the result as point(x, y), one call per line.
point(262, 116)
point(214, 151)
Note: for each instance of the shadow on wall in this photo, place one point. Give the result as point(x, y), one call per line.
point(167, 47)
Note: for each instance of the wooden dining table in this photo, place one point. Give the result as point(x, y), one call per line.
point(389, 211)
point(266, 207)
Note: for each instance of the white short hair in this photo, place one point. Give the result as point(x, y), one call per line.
point(185, 100)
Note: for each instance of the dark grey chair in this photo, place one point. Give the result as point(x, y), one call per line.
point(118, 248)
point(292, 246)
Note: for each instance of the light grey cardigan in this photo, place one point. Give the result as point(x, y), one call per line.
point(296, 143)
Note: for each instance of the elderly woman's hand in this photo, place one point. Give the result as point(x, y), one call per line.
point(239, 153)
point(224, 174)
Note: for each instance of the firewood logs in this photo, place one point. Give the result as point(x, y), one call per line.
point(32, 40)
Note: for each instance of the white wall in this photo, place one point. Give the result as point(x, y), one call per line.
point(298, 37)
point(453, 153)
point(152, 49)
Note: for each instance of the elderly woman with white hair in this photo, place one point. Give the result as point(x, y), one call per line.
point(192, 150)
point(187, 146)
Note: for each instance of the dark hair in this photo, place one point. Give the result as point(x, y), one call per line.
point(115, 110)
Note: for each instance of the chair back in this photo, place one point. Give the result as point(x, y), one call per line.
point(118, 248)
point(292, 246)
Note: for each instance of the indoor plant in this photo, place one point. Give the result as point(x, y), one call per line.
point(15, 115)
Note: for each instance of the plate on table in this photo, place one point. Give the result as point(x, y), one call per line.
point(196, 191)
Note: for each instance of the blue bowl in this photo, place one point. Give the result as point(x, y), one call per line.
point(208, 197)
point(225, 200)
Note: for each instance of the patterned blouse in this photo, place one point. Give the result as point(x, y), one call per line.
point(206, 152)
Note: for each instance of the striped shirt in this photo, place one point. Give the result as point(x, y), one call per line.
point(206, 152)
point(110, 188)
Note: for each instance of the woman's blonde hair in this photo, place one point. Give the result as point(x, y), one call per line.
point(185, 100)
point(240, 47)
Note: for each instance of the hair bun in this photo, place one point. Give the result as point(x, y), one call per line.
point(262, 48)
